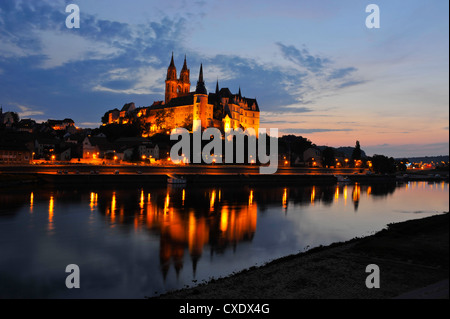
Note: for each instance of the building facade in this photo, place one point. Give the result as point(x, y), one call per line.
point(181, 107)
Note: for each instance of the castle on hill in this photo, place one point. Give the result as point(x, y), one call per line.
point(221, 109)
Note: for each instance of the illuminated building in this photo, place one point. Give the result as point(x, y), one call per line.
point(181, 107)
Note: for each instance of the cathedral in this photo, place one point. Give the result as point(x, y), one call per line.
point(181, 107)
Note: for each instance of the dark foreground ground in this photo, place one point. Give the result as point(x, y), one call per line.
point(412, 256)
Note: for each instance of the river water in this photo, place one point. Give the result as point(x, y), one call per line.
point(137, 242)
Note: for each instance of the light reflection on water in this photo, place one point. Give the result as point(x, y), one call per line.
point(131, 243)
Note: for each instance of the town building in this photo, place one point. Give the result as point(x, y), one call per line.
point(181, 107)
point(14, 154)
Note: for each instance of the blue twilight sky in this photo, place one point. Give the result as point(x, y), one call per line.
point(315, 68)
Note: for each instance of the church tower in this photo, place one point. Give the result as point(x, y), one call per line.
point(177, 87)
point(184, 84)
point(171, 82)
point(202, 111)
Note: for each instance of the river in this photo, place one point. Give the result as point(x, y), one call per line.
point(132, 242)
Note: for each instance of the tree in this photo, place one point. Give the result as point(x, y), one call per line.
point(401, 164)
point(187, 124)
point(164, 118)
point(356, 154)
point(293, 146)
point(328, 157)
point(105, 117)
point(383, 165)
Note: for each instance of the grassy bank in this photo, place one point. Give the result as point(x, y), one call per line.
point(410, 255)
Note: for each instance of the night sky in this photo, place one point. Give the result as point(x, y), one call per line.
point(315, 68)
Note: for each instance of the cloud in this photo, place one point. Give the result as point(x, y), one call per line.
point(106, 60)
point(350, 83)
point(408, 150)
point(315, 77)
point(341, 73)
point(145, 80)
point(26, 111)
point(314, 130)
point(295, 109)
point(60, 48)
point(267, 121)
point(303, 58)
point(88, 124)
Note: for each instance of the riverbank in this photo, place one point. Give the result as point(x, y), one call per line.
point(410, 255)
point(199, 174)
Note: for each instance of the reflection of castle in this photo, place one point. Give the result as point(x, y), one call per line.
point(181, 107)
point(181, 225)
point(190, 219)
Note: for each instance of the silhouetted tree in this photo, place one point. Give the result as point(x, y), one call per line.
point(328, 157)
point(382, 164)
point(356, 154)
point(105, 117)
point(293, 146)
point(401, 164)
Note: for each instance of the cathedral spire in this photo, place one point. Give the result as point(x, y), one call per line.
point(172, 70)
point(172, 64)
point(185, 74)
point(201, 89)
point(217, 86)
point(200, 76)
point(240, 95)
point(185, 64)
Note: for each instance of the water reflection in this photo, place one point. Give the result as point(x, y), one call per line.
point(327, 195)
point(356, 195)
point(93, 201)
point(180, 219)
point(187, 225)
point(51, 205)
point(31, 202)
point(219, 218)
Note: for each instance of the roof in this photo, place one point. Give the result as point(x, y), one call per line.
point(212, 98)
point(226, 111)
point(250, 103)
point(201, 89)
point(187, 99)
point(128, 107)
point(225, 92)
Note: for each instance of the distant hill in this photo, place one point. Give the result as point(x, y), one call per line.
point(344, 150)
point(427, 159)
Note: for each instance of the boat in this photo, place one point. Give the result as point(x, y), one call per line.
point(174, 179)
point(342, 179)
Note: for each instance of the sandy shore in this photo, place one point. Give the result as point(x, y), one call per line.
point(412, 256)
